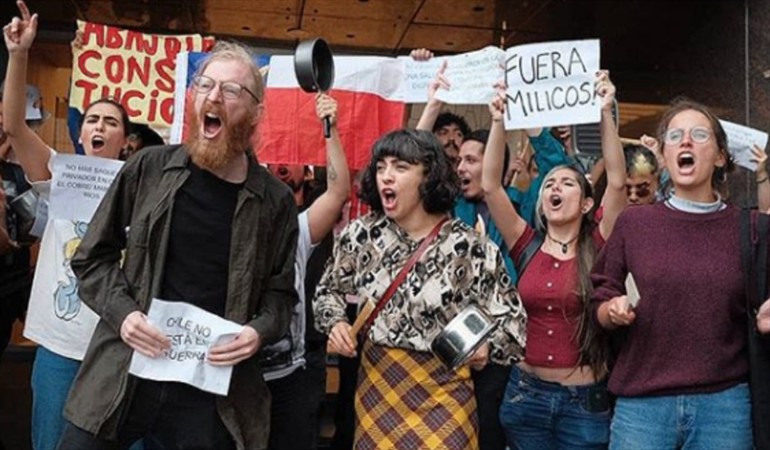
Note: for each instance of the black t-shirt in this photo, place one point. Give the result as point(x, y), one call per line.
point(197, 262)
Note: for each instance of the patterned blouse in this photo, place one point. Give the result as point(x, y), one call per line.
point(458, 269)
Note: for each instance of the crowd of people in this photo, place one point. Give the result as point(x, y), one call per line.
point(456, 221)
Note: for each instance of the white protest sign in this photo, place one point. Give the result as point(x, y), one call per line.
point(417, 77)
point(78, 185)
point(472, 77)
point(740, 140)
point(551, 84)
point(192, 332)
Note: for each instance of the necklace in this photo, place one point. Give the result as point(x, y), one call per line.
point(564, 245)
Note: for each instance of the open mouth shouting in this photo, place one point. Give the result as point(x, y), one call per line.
point(685, 161)
point(212, 125)
point(555, 201)
point(389, 199)
point(97, 143)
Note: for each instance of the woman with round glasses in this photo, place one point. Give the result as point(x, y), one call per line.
point(681, 369)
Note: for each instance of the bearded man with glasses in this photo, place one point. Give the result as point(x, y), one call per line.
point(200, 223)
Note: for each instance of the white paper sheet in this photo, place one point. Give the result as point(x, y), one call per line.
point(192, 331)
point(78, 185)
point(552, 84)
point(740, 139)
point(632, 292)
point(472, 77)
point(417, 77)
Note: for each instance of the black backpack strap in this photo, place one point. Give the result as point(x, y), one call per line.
point(529, 251)
point(754, 229)
point(760, 270)
point(747, 259)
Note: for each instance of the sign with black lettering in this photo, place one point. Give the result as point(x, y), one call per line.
point(78, 184)
point(551, 84)
point(191, 331)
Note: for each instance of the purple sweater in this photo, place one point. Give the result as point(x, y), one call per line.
point(689, 335)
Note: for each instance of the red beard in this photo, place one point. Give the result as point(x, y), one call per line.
point(215, 154)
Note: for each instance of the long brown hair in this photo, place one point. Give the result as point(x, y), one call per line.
point(592, 342)
point(719, 176)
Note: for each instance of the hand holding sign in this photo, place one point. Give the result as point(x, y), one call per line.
point(759, 157)
point(619, 311)
point(20, 33)
point(497, 105)
point(439, 82)
point(244, 346)
point(140, 335)
point(605, 90)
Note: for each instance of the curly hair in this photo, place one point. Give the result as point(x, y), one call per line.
point(448, 118)
point(440, 186)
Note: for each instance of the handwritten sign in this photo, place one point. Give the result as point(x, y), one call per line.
point(472, 77)
point(78, 185)
point(417, 77)
point(192, 332)
point(551, 84)
point(135, 68)
point(740, 140)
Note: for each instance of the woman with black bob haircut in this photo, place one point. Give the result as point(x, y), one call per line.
point(410, 187)
point(440, 186)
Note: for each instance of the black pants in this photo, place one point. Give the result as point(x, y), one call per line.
point(489, 386)
point(296, 405)
point(167, 415)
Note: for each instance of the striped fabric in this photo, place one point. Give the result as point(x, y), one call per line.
point(411, 400)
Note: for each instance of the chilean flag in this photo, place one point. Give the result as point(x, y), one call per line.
point(370, 102)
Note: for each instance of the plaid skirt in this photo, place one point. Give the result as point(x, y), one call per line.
point(410, 400)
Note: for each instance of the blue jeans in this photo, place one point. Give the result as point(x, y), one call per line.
point(540, 415)
point(696, 421)
point(52, 376)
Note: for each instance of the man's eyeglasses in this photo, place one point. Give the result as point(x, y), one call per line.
point(698, 134)
point(230, 89)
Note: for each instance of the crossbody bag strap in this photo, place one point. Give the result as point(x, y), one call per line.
point(402, 275)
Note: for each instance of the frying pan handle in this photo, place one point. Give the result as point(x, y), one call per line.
point(327, 127)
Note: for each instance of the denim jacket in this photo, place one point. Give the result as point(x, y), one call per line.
point(260, 286)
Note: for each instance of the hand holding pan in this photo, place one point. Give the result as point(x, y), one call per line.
point(314, 67)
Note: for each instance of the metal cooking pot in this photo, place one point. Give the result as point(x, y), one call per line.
point(314, 67)
point(462, 336)
point(25, 207)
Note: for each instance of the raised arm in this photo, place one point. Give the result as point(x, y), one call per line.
point(763, 184)
point(508, 221)
point(615, 199)
point(31, 151)
point(434, 105)
point(325, 211)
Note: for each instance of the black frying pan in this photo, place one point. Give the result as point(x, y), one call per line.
point(314, 67)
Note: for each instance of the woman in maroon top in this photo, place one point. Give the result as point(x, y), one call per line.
point(557, 397)
point(682, 365)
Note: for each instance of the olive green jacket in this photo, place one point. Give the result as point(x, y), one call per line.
point(260, 285)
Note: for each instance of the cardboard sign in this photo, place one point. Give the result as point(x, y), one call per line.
point(136, 69)
point(551, 84)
